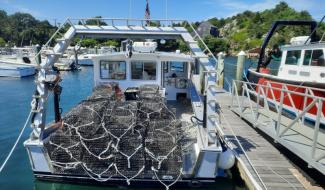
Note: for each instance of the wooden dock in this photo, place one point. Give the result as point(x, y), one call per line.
point(262, 166)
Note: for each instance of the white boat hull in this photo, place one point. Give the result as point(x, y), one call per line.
point(16, 71)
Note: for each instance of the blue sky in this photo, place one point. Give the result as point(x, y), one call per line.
point(193, 10)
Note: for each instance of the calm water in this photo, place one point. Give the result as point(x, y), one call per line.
point(15, 98)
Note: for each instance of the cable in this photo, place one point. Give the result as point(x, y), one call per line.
point(14, 147)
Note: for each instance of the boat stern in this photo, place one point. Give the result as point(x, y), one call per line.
point(38, 156)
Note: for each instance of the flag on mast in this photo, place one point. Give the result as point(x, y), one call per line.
point(147, 14)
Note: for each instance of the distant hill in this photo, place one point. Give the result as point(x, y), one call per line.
point(246, 30)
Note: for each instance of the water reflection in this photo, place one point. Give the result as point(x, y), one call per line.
point(221, 183)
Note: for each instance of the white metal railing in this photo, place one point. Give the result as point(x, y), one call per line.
point(70, 22)
point(257, 97)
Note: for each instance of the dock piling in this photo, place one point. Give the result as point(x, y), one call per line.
point(220, 68)
point(240, 68)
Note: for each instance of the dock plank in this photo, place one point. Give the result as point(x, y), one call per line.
point(272, 167)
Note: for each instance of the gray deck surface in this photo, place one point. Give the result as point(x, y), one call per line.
point(271, 165)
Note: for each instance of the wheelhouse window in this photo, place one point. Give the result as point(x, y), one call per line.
point(115, 70)
point(293, 57)
point(143, 70)
point(314, 58)
point(307, 57)
point(177, 67)
point(317, 58)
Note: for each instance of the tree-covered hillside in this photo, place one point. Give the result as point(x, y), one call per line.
point(246, 30)
point(23, 29)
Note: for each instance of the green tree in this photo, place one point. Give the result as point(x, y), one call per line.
point(2, 42)
point(96, 21)
point(182, 46)
point(216, 44)
point(114, 43)
point(89, 42)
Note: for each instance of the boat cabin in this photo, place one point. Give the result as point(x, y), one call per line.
point(170, 71)
point(303, 62)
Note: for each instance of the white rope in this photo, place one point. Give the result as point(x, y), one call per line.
point(129, 179)
point(167, 186)
point(17, 140)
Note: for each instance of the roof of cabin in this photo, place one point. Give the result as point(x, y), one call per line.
point(304, 46)
point(136, 55)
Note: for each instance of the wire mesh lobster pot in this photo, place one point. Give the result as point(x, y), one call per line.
point(126, 139)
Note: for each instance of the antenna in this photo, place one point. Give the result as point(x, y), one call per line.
point(130, 9)
point(166, 6)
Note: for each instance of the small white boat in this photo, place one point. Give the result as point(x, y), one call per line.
point(17, 63)
point(85, 58)
point(16, 70)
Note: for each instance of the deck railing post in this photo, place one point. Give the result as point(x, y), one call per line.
point(316, 128)
point(249, 100)
point(242, 94)
point(304, 105)
point(279, 115)
point(258, 102)
point(232, 93)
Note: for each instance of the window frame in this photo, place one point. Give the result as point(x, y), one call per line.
point(298, 59)
point(305, 51)
point(184, 66)
point(108, 62)
point(143, 62)
point(311, 57)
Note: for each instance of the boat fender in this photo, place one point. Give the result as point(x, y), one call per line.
point(226, 160)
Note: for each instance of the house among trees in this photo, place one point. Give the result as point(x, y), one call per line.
point(206, 28)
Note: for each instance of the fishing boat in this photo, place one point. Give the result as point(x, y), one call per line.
point(301, 69)
point(16, 70)
point(17, 62)
point(146, 122)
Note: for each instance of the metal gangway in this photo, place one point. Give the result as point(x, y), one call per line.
point(295, 128)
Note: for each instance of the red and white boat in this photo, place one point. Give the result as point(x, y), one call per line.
point(301, 71)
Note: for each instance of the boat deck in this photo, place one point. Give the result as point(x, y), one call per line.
point(262, 158)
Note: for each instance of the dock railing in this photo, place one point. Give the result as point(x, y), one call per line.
point(271, 107)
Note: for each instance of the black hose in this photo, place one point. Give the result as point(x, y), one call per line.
point(197, 119)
